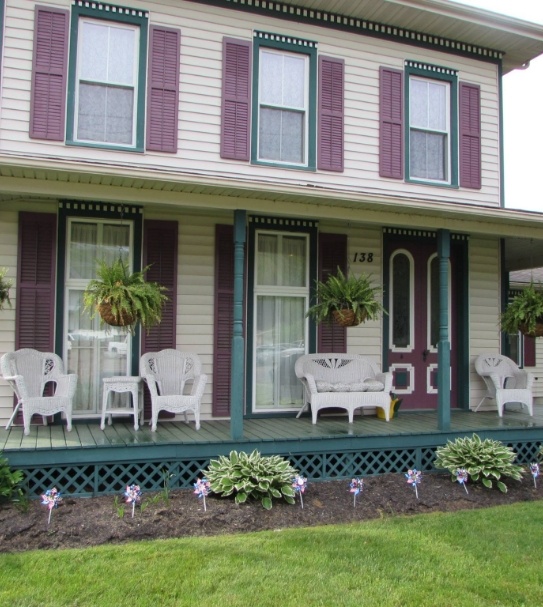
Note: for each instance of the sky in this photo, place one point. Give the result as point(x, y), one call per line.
point(522, 100)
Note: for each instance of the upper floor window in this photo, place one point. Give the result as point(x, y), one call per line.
point(104, 61)
point(106, 83)
point(106, 100)
point(283, 106)
point(284, 109)
point(429, 129)
point(430, 126)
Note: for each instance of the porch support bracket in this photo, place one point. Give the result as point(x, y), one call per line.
point(238, 345)
point(444, 345)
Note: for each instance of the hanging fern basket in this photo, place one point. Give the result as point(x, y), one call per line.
point(347, 317)
point(537, 332)
point(124, 319)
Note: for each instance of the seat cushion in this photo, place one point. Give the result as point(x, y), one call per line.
point(325, 386)
point(372, 385)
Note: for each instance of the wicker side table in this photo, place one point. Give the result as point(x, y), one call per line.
point(120, 384)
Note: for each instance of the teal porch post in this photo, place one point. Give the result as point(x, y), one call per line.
point(444, 346)
point(237, 372)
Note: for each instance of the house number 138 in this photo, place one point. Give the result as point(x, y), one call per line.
point(363, 257)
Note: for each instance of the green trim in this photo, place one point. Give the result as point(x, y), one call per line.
point(461, 250)
point(120, 15)
point(365, 27)
point(89, 461)
point(444, 345)
point(238, 340)
point(277, 224)
point(504, 297)
point(98, 210)
point(500, 128)
point(431, 72)
point(291, 45)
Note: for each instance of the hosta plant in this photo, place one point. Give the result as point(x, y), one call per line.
point(484, 460)
point(252, 476)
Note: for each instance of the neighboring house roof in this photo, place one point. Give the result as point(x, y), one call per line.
point(519, 41)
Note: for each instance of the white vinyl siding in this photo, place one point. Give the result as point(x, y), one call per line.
point(200, 105)
point(484, 308)
point(8, 255)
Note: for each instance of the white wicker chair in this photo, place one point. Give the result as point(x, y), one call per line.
point(505, 382)
point(167, 374)
point(28, 372)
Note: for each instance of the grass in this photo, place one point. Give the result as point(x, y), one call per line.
point(478, 558)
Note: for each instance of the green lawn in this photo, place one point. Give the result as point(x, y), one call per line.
point(486, 557)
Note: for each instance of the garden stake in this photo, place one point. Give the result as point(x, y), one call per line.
point(462, 477)
point(413, 478)
point(299, 484)
point(133, 495)
point(201, 489)
point(534, 469)
point(51, 498)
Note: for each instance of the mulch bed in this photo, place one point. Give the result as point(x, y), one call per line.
point(82, 522)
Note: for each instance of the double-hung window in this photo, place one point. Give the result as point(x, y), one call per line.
point(106, 100)
point(429, 129)
point(432, 125)
point(284, 112)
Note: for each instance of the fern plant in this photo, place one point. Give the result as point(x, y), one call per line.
point(5, 286)
point(339, 293)
point(252, 476)
point(10, 480)
point(122, 298)
point(524, 312)
point(483, 460)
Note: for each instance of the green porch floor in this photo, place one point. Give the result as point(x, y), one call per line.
point(122, 433)
point(89, 461)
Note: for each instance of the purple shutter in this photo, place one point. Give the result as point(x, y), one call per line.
point(332, 253)
point(35, 308)
point(163, 89)
point(224, 318)
point(331, 127)
point(236, 99)
point(48, 96)
point(470, 135)
point(160, 250)
point(391, 135)
point(529, 352)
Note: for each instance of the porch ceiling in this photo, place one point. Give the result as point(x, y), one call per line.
point(519, 40)
point(522, 230)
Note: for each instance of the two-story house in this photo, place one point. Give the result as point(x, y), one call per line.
point(263, 144)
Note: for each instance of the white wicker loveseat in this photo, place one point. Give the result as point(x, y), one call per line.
point(346, 381)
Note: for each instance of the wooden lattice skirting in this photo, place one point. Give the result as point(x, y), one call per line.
point(88, 479)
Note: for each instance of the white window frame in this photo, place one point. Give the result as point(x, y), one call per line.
point(410, 346)
point(79, 284)
point(304, 109)
point(446, 132)
point(135, 79)
point(278, 291)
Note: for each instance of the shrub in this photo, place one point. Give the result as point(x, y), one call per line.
point(252, 476)
point(482, 460)
point(9, 480)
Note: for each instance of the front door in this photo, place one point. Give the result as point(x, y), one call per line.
point(413, 321)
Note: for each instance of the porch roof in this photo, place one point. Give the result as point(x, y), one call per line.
point(522, 230)
point(519, 41)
